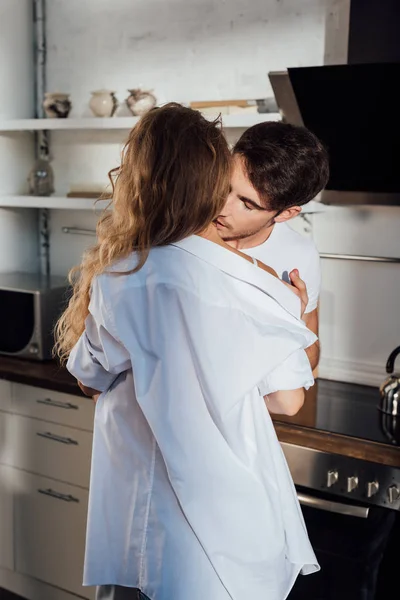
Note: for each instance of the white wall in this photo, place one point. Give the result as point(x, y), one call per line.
point(18, 229)
point(211, 49)
point(185, 50)
point(360, 302)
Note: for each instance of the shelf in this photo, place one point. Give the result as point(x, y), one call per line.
point(65, 203)
point(124, 123)
point(55, 202)
point(314, 206)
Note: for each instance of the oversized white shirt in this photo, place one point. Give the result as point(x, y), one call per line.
point(190, 493)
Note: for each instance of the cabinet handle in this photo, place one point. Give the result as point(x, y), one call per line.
point(57, 403)
point(56, 438)
point(58, 495)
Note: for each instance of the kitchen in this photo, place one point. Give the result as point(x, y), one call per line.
point(40, 405)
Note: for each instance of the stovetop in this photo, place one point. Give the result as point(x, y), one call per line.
point(348, 409)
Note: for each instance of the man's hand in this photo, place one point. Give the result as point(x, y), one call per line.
point(310, 319)
point(299, 288)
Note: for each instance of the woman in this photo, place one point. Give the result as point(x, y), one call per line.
point(190, 495)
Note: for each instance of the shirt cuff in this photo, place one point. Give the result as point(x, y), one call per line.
point(293, 374)
point(83, 365)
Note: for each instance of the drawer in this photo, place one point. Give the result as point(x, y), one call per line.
point(50, 526)
point(65, 409)
point(47, 449)
point(5, 395)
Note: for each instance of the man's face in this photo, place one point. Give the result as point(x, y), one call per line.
point(243, 215)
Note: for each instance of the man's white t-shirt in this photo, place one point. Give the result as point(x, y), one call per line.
point(285, 250)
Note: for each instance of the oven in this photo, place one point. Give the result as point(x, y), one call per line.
point(351, 506)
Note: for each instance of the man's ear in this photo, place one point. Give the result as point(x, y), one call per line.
point(289, 213)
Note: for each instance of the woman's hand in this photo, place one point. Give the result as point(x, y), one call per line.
point(89, 391)
point(299, 288)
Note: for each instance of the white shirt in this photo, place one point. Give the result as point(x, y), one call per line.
point(190, 493)
point(285, 250)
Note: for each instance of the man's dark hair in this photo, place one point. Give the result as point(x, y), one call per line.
point(286, 164)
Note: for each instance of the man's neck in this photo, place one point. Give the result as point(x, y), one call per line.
point(252, 241)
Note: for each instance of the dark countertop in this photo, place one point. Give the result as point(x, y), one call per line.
point(46, 374)
point(343, 418)
point(304, 429)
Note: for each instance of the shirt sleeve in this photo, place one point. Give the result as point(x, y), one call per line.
point(295, 372)
point(312, 278)
point(98, 357)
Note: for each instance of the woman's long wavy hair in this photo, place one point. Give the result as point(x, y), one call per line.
point(172, 182)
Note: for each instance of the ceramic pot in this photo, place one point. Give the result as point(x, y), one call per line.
point(140, 102)
point(103, 103)
point(56, 105)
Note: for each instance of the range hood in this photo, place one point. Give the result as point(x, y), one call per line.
point(355, 111)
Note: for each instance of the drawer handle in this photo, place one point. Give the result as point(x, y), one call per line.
point(58, 495)
point(56, 438)
point(57, 403)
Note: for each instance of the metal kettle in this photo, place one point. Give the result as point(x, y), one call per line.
point(390, 389)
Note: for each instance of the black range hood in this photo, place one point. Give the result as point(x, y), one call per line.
point(355, 111)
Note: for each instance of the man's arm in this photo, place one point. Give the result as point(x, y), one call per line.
point(311, 319)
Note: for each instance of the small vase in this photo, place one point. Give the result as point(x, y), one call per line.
point(103, 103)
point(140, 102)
point(57, 106)
point(41, 178)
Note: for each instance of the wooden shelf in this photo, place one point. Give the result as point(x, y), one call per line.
point(54, 202)
point(65, 203)
point(124, 123)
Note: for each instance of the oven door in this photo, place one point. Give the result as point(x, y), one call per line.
point(17, 321)
point(349, 540)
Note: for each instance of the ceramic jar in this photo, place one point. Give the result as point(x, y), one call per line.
point(103, 103)
point(41, 178)
point(56, 105)
point(140, 101)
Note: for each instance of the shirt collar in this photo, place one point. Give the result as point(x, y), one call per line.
point(241, 269)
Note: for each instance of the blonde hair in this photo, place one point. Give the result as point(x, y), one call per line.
point(172, 182)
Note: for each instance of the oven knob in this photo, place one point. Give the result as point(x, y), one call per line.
point(352, 483)
point(332, 478)
point(33, 349)
point(393, 493)
point(372, 488)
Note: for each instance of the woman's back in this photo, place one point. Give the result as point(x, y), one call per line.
point(183, 430)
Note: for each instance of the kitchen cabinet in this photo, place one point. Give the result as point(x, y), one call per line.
point(45, 454)
point(74, 411)
point(62, 453)
point(50, 523)
point(6, 484)
point(6, 518)
point(5, 397)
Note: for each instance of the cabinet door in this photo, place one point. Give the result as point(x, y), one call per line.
point(50, 526)
point(6, 517)
point(51, 450)
point(5, 395)
point(65, 409)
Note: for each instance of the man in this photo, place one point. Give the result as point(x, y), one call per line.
point(278, 168)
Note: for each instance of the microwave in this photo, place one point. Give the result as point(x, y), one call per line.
point(30, 305)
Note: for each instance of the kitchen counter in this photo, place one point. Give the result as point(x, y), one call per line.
point(343, 418)
point(310, 427)
point(46, 374)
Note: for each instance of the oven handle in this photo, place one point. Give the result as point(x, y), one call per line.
point(335, 507)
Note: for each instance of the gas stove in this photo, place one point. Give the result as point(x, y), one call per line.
point(352, 411)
